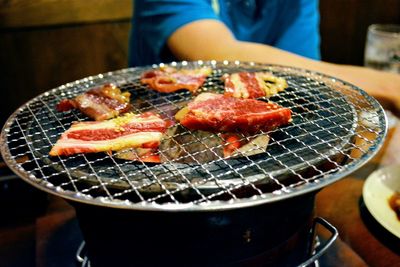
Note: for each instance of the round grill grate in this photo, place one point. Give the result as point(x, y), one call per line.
point(336, 128)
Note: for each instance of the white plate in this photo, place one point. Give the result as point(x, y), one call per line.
point(377, 190)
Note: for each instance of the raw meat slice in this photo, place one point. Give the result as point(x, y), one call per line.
point(128, 131)
point(219, 113)
point(168, 79)
point(101, 103)
point(253, 84)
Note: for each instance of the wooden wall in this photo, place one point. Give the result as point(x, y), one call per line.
point(46, 43)
point(344, 26)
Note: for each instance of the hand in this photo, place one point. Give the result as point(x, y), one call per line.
point(384, 86)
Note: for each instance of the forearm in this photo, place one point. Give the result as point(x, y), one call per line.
point(223, 46)
point(207, 40)
point(246, 51)
point(382, 85)
point(211, 40)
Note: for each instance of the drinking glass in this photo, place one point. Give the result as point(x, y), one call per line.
point(382, 48)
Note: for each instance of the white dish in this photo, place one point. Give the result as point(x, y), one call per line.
point(377, 190)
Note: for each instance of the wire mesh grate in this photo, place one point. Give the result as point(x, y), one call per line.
point(336, 127)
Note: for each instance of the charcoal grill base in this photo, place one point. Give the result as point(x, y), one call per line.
point(274, 234)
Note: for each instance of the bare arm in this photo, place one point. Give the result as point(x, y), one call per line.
point(211, 39)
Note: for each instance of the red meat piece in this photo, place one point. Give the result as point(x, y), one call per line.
point(253, 84)
point(99, 104)
point(128, 131)
point(168, 79)
point(219, 113)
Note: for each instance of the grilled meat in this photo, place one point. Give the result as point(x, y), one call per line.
point(182, 146)
point(101, 103)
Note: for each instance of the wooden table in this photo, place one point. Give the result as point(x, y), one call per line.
point(367, 243)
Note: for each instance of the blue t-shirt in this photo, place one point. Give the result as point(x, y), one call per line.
point(291, 25)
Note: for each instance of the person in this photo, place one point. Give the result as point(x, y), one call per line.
point(283, 32)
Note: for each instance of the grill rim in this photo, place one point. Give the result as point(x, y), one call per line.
point(209, 205)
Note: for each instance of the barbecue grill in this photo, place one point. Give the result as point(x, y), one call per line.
point(222, 211)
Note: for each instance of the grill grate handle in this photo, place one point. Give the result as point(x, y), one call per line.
point(315, 255)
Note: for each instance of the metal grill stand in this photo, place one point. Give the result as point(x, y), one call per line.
point(272, 234)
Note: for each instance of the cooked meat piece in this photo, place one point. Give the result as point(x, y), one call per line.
point(128, 131)
point(178, 145)
point(101, 103)
point(181, 146)
point(253, 84)
point(232, 142)
point(142, 154)
point(219, 113)
point(255, 146)
point(168, 79)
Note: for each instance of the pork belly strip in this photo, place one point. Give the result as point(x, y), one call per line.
point(101, 103)
point(219, 113)
point(253, 84)
point(168, 79)
point(128, 131)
